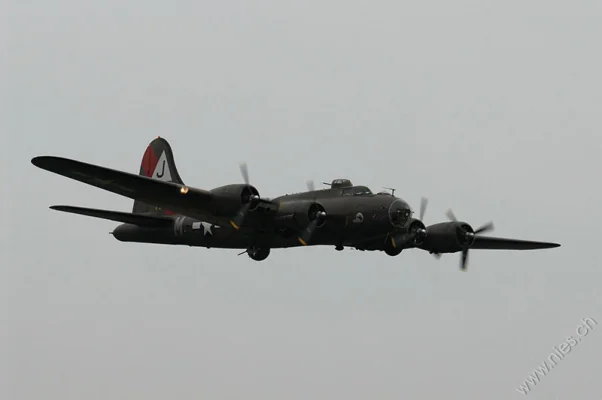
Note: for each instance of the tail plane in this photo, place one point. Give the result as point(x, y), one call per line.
point(149, 221)
point(157, 163)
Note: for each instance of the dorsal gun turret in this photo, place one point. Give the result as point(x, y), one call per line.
point(339, 183)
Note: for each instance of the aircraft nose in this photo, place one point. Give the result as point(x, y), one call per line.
point(399, 213)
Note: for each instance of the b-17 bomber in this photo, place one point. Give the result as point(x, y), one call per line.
point(235, 216)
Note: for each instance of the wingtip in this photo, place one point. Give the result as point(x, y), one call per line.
point(60, 208)
point(37, 160)
point(44, 162)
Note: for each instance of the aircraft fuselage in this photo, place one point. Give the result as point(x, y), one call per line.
point(356, 219)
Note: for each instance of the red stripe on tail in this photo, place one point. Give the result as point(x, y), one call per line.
point(149, 161)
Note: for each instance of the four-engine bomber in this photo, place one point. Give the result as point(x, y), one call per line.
point(236, 216)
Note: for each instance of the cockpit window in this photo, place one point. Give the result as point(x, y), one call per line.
point(356, 191)
point(361, 190)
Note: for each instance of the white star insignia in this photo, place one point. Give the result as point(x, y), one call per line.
point(207, 227)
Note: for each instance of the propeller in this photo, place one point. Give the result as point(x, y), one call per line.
point(244, 170)
point(468, 236)
point(308, 232)
point(423, 203)
point(488, 227)
point(416, 234)
point(242, 212)
point(450, 214)
point(310, 185)
point(319, 217)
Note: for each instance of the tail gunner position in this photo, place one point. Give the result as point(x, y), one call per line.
point(235, 216)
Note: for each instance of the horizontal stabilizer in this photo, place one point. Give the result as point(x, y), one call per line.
point(155, 221)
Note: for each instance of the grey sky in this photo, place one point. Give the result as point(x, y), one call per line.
point(491, 108)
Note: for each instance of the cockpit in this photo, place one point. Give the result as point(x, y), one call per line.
point(356, 191)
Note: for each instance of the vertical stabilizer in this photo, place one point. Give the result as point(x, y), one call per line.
point(157, 163)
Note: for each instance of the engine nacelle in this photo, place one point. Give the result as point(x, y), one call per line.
point(448, 237)
point(232, 197)
point(298, 214)
point(414, 236)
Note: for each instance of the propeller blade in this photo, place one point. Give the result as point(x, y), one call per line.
point(310, 185)
point(423, 203)
point(464, 260)
point(305, 237)
point(450, 214)
point(308, 232)
point(244, 170)
point(240, 216)
point(485, 228)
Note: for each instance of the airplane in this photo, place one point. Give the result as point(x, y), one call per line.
point(235, 216)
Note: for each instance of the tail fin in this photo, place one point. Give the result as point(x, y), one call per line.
point(157, 163)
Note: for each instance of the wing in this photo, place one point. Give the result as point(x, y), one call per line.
point(179, 198)
point(494, 243)
point(155, 221)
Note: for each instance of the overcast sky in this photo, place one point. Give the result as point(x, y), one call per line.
point(490, 108)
